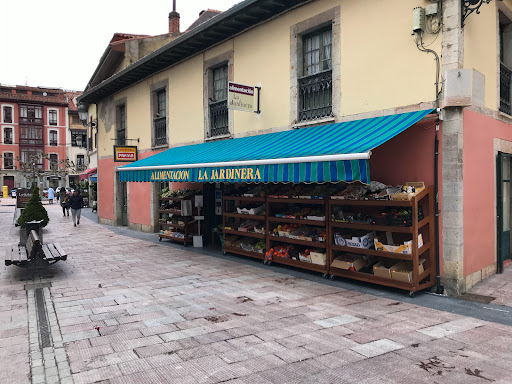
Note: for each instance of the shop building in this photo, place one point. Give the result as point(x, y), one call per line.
point(326, 64)
point(35, 120)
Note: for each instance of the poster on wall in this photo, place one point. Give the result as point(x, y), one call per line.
point(125, 153)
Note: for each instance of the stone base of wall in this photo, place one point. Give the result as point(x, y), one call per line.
point(478, 276)
point(142, 228)
point(101, 220)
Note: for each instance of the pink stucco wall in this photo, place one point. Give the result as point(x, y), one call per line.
point(410, 157)
point(139, 196)
point(480, 188)
point(106, 189)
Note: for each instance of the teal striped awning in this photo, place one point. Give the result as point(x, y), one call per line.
point(333, 152)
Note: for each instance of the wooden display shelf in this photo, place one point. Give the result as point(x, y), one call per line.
point(383, 203)
point(371, 278)
point(374, 252)
point(296, 221)
point(295, 201)
point(173, 211)
point(240, 233)
point(240, 251)
point(314, 244)
point(182, 226)
point(178, 239)
point(177, 198)
point(245, 198)
point(244, 216)
point(300, 264)
point(379, 228)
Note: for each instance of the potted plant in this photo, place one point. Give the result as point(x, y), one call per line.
point(33, 211)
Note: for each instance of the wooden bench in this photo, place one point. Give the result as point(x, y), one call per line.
point(34, 252)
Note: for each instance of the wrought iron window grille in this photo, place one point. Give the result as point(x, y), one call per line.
point(315, 96)
point(219, 118)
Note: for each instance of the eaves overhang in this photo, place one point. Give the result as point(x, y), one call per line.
point(226, 25)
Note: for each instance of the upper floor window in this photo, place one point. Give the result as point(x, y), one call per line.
point(32, 155)
point(53, 138)
point(8, 136)
point(160, 122)
point(8, 160)
point(315, 87)
point(78, 139)
point(6, 114)
point(54, 162)
point(52, 117)
point(32, 114)
point(218, 105)
point(121, 125)
point(505, 35)
point(80, 162)
point(31, 135)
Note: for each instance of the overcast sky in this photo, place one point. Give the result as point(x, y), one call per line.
point(58, 43)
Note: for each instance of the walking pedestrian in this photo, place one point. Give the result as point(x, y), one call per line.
point(64, 201)
point(51, 195)
point(76, 201)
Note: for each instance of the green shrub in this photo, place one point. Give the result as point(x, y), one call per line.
point(34, 210)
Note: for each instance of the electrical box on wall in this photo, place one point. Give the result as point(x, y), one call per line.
point(431, 10)
point(418, 19)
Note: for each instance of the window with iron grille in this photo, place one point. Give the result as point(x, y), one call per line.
point(315, 87)
point(54, 162)
point(8, 139)
point(80, 161)
point(159, 120)
point(52, 117)
point(121, 126)
point(53, 138)
point(218, 105)
point(8, 160)
point(505, 30)
point(7, 114)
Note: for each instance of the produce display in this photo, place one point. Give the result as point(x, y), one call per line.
point(178, 192)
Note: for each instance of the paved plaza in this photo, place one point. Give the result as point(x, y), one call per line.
point(125, 310)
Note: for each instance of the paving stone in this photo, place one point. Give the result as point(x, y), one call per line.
point(376, 348)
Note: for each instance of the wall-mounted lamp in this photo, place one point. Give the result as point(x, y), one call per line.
point(470, 6)
point(83, 114)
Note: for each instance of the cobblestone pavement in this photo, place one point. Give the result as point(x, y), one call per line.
point(170, 315)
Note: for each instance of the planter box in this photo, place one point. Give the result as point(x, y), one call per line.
point(24, 236)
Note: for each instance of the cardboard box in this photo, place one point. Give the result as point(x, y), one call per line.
point(318, 258)
point(252, 211)
point(304, 258)
point(365, 241)
point(403, 271)
point(406, 247)
point(419, 185)
point(357, 262)
point(384, 268)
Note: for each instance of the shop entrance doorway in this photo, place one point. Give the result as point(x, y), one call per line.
point(503, 208)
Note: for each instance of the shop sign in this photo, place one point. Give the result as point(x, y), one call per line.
point(125, 153)
point(22, 197)
point(240, 97)
point(206, 175)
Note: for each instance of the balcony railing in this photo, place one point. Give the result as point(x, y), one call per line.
point(31, 120)
point(505, 79)
point(53, 143)
point(30, 141)
point(219, 119)
point(315, 96)
point(7, 141)
point(160, 131)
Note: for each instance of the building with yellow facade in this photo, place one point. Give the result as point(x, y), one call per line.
point(324, 63)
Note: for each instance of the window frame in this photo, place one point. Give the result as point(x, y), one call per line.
point(11, 107)
point(160, 114)
point(4, 158)
point(56, 141)
point(74, 142)
point(78, 164)
point(329, 19)
point(49, 114)
point(4, 129)
point(121, 125)
point(50, 162)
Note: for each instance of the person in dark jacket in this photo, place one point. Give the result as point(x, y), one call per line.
point(64, 201)
point(76, 202)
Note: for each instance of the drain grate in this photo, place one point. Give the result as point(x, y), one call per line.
point(42, 320)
